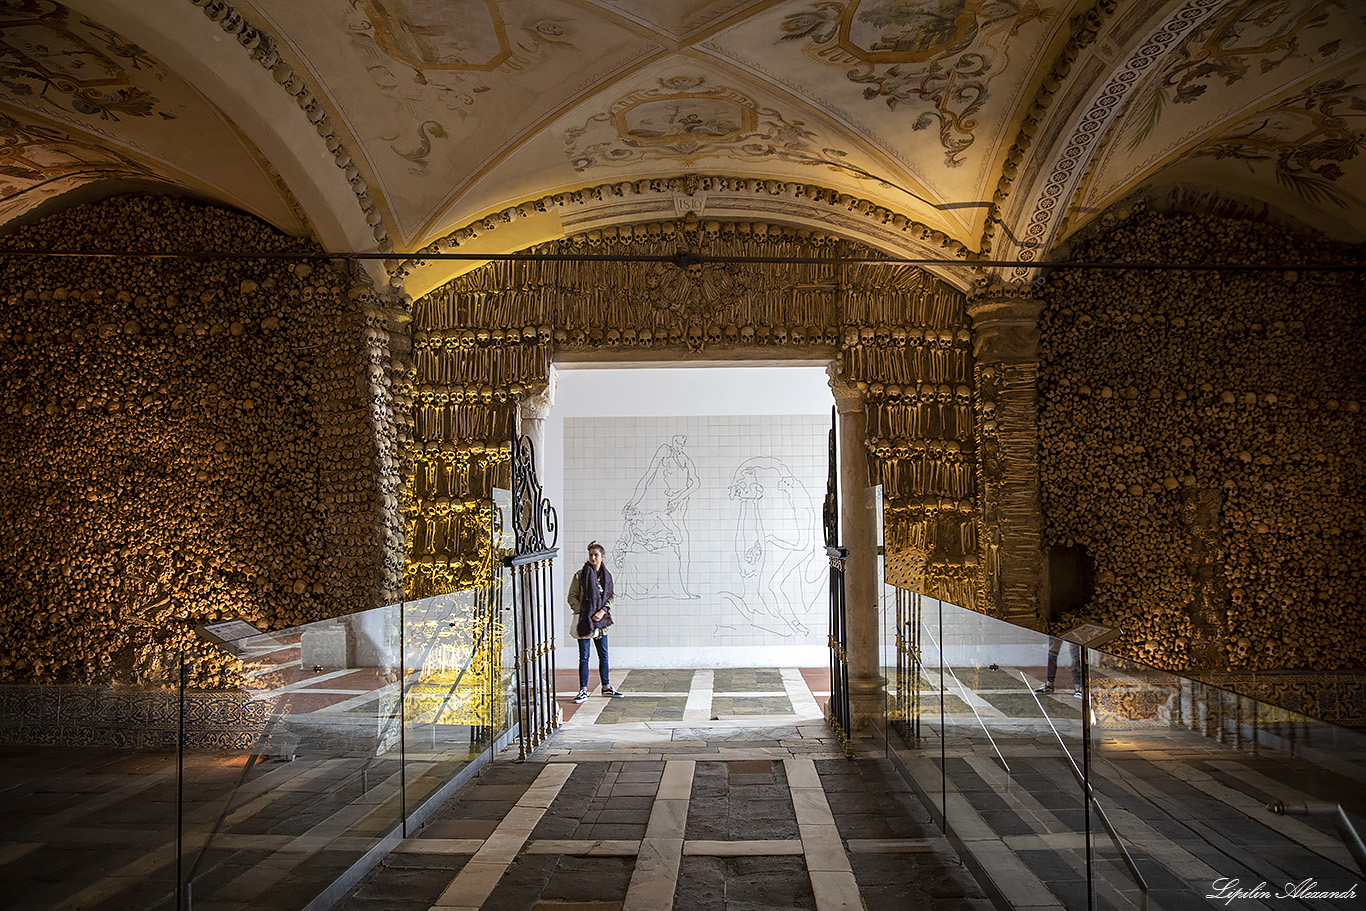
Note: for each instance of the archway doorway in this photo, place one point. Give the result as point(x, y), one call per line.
point(704, 483)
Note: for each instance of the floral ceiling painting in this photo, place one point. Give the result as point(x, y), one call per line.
point(936, 60)
point(1307, 143)
point(1277, 58)
point(122, 111)
point(405, 122)
point(69, 67)
point(686, 120)
point(39, 162)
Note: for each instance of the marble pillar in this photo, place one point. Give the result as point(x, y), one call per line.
point(858, 533)
point(532, 410)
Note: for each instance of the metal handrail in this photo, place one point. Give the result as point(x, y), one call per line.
point(1091, 800)
point(1351, 838)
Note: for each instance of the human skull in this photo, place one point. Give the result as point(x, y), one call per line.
point(747, 335)
point(482, 335)
point(962, 394)
point(899, 336)
point(883, 334)
point(646, 337)
point(944, 394)
point(628, 336)
point(851, 337)
point(731, 333)
point(714, 333)
point(780, 335)
point(613, 338)
point(867, 335)
point(543, 334)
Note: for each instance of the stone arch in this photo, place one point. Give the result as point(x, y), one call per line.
point(486, 340)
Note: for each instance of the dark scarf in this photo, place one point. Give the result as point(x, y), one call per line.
point(595, 590)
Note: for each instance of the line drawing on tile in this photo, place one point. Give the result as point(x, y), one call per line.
point(654, 550)
point(775, 540)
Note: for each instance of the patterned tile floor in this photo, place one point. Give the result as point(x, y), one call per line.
point(699, 789)
point(707, 790)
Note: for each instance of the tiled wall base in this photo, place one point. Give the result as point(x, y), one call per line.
point(702, 656)
point(127, 718)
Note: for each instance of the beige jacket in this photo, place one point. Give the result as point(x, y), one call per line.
point(575, 592)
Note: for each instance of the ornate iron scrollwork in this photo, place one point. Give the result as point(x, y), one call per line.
point(535, 526)
point(830, 514)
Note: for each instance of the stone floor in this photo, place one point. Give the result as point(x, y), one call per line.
point(701, 789)
point(719, 790)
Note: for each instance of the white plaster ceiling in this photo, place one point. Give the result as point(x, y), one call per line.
point(399, 125)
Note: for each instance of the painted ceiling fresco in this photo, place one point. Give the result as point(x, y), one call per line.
point(423, 122)
point(83, 101)
point(1274, 90)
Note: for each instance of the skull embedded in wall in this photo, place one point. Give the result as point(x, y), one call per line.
point(613, 338)
point(944, 394)
point(714, 333)
point(543, 334)
point(899, 336)
point(747, 335)
point(884, 336)
point(628, 336)
point(867, 335)
point(731, 333)
point(697, 336)
point(962, 394)
point(780, 335)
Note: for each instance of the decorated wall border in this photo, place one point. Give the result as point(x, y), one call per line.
point(265, 51)
point(721, 192)
point(1104, 107)
point(1085, 28)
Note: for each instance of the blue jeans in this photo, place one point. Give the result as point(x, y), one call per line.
point(602, 661)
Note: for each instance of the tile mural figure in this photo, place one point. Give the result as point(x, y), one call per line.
point(653, 551)
point(775, 536)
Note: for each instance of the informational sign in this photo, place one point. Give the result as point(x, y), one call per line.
point(229, 634)
point(1091, 635)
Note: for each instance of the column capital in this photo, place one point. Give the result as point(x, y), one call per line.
point(1005, 323)
point(536, 404)
point(848, 397)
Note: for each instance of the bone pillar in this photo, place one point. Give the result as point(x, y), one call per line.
point(858, 533)
point(1005, 334)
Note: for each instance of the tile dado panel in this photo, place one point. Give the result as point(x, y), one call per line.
point(711, 524)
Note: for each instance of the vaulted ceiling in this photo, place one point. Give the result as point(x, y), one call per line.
point(962, 128)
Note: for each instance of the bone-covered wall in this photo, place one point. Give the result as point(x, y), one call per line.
point(1202, 439)
point(486, 340)
point(183, 440)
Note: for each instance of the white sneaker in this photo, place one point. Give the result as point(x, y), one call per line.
point(582, 697)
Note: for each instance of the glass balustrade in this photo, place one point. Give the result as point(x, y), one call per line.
point(1123, 786)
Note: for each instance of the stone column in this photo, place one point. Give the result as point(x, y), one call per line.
point(858, 533)
point(532, 410)
point(1005, 334)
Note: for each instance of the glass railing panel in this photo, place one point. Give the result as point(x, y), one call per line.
point(451, 709)
point(1207, 787)
point(318, 766)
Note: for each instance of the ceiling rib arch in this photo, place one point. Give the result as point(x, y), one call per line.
point(708, 198)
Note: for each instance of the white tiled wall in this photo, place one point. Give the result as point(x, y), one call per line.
point(712, 526)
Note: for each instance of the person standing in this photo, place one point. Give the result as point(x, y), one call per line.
point(590, 598)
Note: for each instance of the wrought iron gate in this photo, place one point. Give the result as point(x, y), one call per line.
point(533, 601)
point(837, 709)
